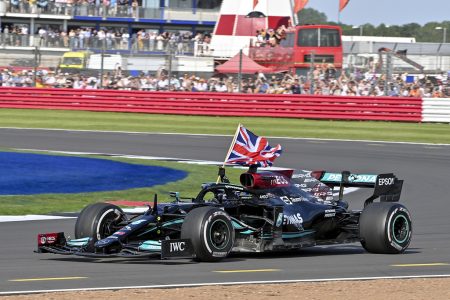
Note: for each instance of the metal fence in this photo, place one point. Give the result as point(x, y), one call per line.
point(54, 40)
point(117, 10)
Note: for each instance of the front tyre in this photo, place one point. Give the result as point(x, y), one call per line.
point(98, 221)
point(210, 231)
point(385, 227)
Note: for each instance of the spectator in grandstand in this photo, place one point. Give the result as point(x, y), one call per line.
point(261, 86)
point(200, 85)
point(415, 92)
point(260, 38)
point(220, 87)
point(42, 37)
point(134, 9)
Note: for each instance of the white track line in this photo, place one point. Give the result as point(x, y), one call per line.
point(165, 286)
point(31, 218)
point(223, 135)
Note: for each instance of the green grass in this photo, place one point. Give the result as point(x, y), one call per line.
point(381, 131)
point(57, 203)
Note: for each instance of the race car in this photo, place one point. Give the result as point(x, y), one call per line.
point(270, 210)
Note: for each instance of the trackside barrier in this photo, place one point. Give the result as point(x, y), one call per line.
point(436, 110)
point(216, 104)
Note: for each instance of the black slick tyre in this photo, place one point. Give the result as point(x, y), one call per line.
point(210, 231)
point(98, 221)
point(385, 227)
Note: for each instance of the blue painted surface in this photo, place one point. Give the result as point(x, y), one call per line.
point(27, 174)
point(153, 21)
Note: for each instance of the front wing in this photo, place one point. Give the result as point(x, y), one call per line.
point(57, 243)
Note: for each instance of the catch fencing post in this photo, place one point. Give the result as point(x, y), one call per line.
point(240, 71)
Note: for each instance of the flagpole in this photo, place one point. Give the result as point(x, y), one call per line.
point(294, 15)
point(231, 148)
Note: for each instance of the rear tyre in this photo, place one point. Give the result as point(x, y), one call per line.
point(385, 227)
point(98, 221)
point(210, 231)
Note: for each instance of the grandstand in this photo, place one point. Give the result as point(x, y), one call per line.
point(43, 29)
point(364, 53)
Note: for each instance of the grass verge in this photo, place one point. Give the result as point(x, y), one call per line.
point(357, 130)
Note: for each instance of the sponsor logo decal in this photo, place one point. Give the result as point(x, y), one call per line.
point(286, 199)
point(385, 181)
point(298, 199)
point(49, 238)
point(301, 175)
point(177, 246)
point(278, 180)
point(310, 180)
point(234, 187)
point(329, 213)
point(295, 219)
point(396, 246)
point(363, 178)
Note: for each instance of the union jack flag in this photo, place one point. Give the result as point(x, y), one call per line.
point(250, 149)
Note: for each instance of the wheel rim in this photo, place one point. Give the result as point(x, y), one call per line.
point(107, 224)
point(219, 234)
point(400, 229)
point(106, 228)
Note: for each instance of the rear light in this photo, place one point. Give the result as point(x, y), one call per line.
point(49, 239)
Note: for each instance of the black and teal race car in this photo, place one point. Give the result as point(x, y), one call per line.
point(270, 210)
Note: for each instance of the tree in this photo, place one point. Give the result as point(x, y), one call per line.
point(311, 16)
point(425, 33)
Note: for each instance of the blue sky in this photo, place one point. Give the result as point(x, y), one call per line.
point(389, 12)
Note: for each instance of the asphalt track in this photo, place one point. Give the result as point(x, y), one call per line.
point(425, 169)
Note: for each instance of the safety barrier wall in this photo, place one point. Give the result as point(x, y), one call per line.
point(216, 104)
point(436, 110)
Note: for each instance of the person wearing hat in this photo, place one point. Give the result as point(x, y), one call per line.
point(175, 83)
point(220, 87)
point(92, 83)
point(201, 85)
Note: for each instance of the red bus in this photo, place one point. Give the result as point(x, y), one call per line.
point(304, 45)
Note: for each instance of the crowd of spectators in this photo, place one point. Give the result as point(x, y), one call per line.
point(110, 39)
point(343, 85)
point(323, 79)
point(368, 84)
point(115, 8)
point(270, 37)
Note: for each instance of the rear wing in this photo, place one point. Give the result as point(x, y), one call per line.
point(386, 186)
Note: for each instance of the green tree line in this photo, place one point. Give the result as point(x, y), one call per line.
point(422, 33)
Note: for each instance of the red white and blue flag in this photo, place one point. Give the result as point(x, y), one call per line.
point(250, 149)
